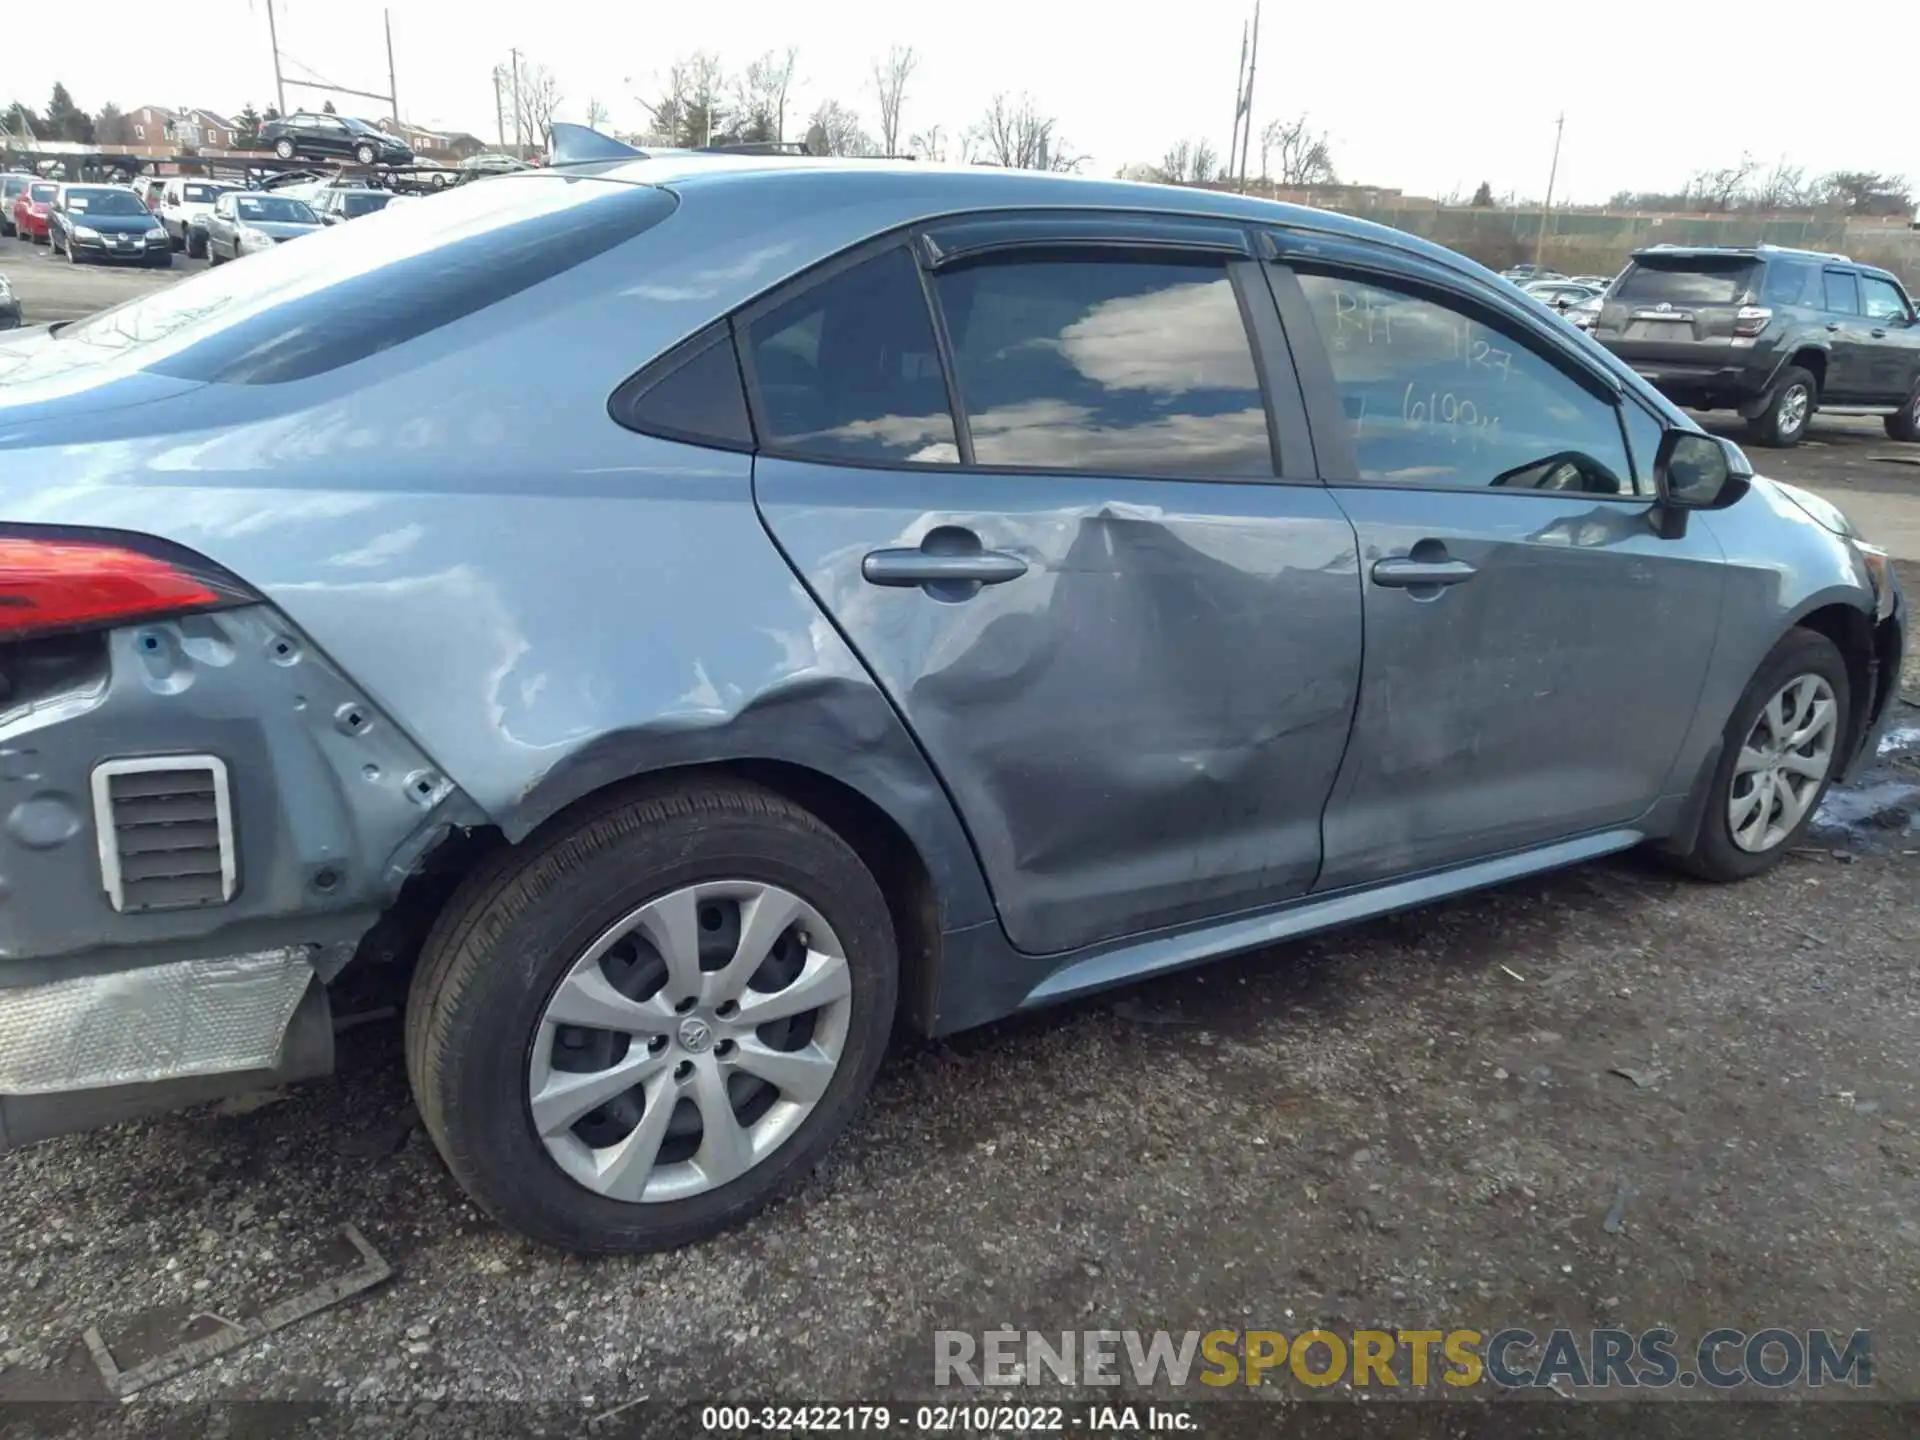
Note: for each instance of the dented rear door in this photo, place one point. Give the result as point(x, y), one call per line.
point(1117, 613)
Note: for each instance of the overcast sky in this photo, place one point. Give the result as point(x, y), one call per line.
point(1429, 98)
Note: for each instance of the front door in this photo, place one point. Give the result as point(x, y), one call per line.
point(1893, 366)
point(1118, 615)
point(1534, 650)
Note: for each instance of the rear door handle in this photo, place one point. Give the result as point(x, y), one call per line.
point(919, 567)
point(1404, 572)
point(1878, 334)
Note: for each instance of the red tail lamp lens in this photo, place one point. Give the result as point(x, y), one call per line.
point(72, 584)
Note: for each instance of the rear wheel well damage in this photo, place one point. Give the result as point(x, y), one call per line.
point(882, 845)
point(1814, 362)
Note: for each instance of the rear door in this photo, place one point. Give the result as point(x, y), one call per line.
point(1850, 352)
point(1676, 312)
point(1534, 649)
point(1078, 548)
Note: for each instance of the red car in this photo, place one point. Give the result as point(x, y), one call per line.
point(30, 210)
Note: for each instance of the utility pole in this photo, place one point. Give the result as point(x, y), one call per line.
point(519, 148)
point(1246, 105)
point(499, 110)
point(1239, 94)
point(393, 90)
point(1553, 172)
point(273, 38)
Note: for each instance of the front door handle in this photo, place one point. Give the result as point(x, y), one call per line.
point(1405, 573)
point(1878, 334)
point(1833, 325)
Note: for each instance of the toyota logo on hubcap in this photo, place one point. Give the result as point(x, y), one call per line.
point(695, 1035)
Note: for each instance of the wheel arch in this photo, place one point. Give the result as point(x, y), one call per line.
point(1851, 630)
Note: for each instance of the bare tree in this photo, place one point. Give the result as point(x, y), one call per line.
point(689, 111)
point(1783, 188)
point(1718, 189)
point(1014, 134)
point(1867, 192)
point(538, 96)
point(596, 114)
point(1191, 162)
point(890, 82)
point(930, 144)
point(1306, 158)
point(836, 130)
point(760, 97)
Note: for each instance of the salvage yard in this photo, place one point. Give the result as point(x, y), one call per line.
point(1603, 1096)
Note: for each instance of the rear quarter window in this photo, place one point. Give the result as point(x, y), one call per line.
point(343, 294)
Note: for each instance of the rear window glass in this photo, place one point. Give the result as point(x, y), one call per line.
point(346, 293)
point(1694, 282)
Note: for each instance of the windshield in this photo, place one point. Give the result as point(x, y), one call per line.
point(105, 202)
point(12, 186)
point(203, 194)
point(1696, 280)
point(43, 192)
point(274, 209)
point(364, 202)
point(345, 293)
point(359, 127)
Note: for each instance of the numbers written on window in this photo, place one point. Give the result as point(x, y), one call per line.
point(848, 369)
point(1113, 366)
point(1434, 397)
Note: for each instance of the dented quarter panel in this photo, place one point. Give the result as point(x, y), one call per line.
point(1141, 730)
point(1547, 696)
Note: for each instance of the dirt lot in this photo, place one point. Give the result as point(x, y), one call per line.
point(1420, 1122)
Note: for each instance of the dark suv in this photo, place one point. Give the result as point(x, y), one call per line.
point(334, 137)
point(1772, 333)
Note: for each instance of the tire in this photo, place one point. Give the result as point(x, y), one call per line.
point(213, 255)
point(196, 250)
point(365, 154)
point(1716, 854)
point(1904, 425)
point(505, 944)
point(283, 148)
point(1783, 424)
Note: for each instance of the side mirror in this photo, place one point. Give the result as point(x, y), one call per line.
point(1696, 471)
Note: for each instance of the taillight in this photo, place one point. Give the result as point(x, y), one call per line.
point(1750, 320)
point(68, 583)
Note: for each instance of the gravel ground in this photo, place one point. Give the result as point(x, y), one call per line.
point(1418, 1122)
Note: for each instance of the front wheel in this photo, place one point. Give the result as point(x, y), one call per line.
point(654, 1021)
point(1783, 424)
point(364, 154)
point(1779, 753)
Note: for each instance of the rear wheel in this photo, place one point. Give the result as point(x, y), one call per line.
point(654, 1022)
point(1779, 753)
point(1783, 424)
point(283, 148)
point(1904, 424)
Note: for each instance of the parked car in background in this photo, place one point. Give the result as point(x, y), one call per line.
point(1559, 295)
point(1525, 273)
point(11, 185)
point(1599, 282)
point(1775, 334)
point(148, 188)
point(958, 508)
point(9, 306)
point(432, 174)
point(492, 164)
point(1584, 314)
point(243, 222)
point(106, 222)
point(183, 201)
point(336, 204)
point(30, 210)
point(325, 137)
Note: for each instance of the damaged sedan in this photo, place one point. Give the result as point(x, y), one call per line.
point(699, 611)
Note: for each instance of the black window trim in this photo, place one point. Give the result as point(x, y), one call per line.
point(628, 395)
point(1332, 437)
point(1288, 432)
point(1853, 275)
